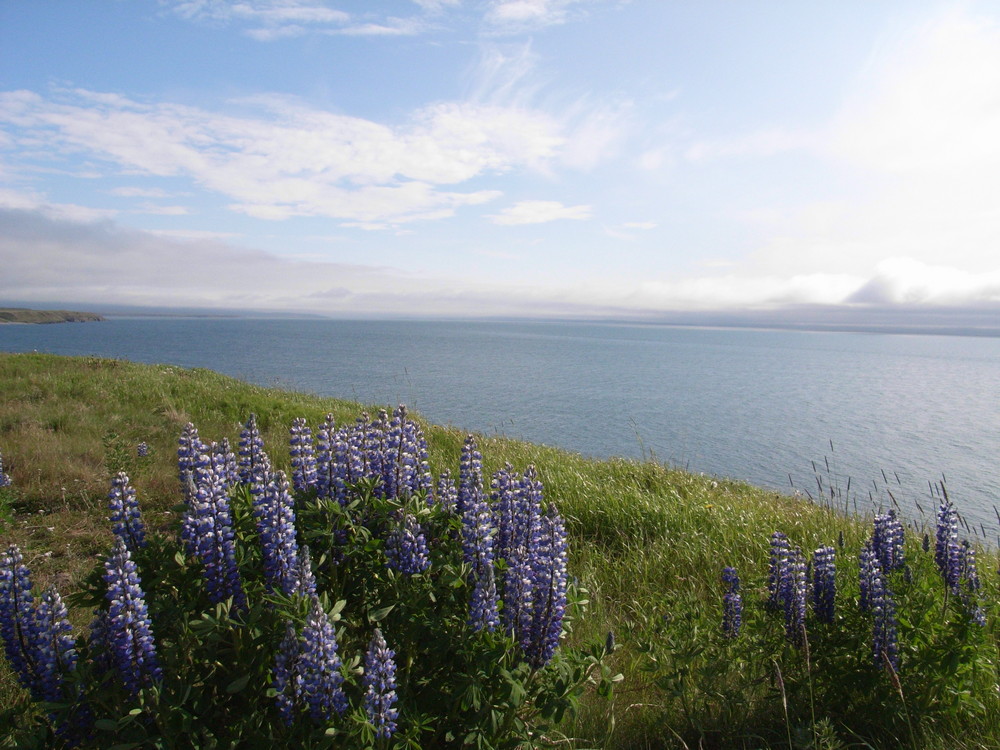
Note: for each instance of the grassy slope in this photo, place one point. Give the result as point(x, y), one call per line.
point(645, 539)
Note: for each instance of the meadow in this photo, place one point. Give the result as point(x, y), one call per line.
point(894, 645)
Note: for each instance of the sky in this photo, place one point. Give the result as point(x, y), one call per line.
point(468, 158)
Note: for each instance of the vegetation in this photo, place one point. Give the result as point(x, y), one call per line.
point(706, 662)
point(24, 315)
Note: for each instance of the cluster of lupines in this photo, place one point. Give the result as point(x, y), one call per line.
point(5, 480)
point(406, 546)
point(732, 603)
point(477, 539)
point(303, 455)
point(142, 449)
point(36, 635)
point(824, 590)
point(274, 511)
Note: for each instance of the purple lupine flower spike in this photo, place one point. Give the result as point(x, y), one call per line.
point(283, 674)
point(885, 638)
point(319, 678)
point(732, 603)
point(548, 589)
point(792, 592)
point(17, 616)
point(125, 515)
point(446, 492)
point(253, 460)
point(887, 541)
point(867, 566)
point(946, 535)
point(379, 682)
point(406, 547)
point(55, 647)
point(129, 630)
point(275, 514)
point(477, 542)
point(142, 449)
point(779, 555)
point(824, 589)
point(303, 455)
point(213, 539)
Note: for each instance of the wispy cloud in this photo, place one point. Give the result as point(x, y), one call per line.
point(282, 158)
point(539, 212)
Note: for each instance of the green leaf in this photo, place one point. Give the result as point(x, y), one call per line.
point(106, 725)
point(238, 684)
point(377, 615)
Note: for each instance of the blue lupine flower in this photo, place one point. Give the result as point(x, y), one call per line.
point(477, 541)
point(406, 547)
point(824, 589)
point(885, 637)
point(887, 541)
point(303, 455)
point(212, 539)
point(446, 493)
point(325, 437)
point(54, 649)
point(517, 504)
point(505, 505)
point(5, 480)
point(792, 593)
point(946, 536)
point(18, 625)
point(779, 555)
point(274, 511)
point(732, 603)
point(142, 450)
point(98, 650)
point(283, 675)
point(868, 565)
point(318, 679)
point(191, 455)
point(548, 589)
point(965, 577)
point(224, 463)
point(470, 476)
point(125, 515)
point(379, 682)
point(305, 579)
point(129, 630)
point(253, 460)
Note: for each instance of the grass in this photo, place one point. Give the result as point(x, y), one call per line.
point(24, 315)
point(647, 541)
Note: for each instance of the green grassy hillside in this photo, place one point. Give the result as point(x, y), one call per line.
point(649, 543)
point(24, 315)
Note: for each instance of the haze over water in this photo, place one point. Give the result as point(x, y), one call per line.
point(900, 411)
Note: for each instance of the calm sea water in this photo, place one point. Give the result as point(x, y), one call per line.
point(876, 410)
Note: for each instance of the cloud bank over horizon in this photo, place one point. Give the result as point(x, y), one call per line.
point(512, 157)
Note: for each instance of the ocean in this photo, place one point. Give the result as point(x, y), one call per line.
point(871, 419)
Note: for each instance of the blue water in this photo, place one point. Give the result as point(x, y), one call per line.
point(876, 410)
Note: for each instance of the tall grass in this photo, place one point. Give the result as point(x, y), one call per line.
point(647, 541)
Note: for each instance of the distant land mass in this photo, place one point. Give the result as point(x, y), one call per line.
point(24, 315)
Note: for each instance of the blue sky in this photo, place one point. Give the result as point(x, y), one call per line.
point(504, 157)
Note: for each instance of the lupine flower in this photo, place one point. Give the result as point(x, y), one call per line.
point(303, 455)
point(516, 510)
point(406, 547)
point(887, 541)
point(792, 592)
point(224, 463)
point(207, 531)
point(885, 638)
point(129, 630)
point(142, 450)
point(318, 679)
point(17, 616)
point(867, 566)
point(470, 476)
point(779, 554)
point(253, 460)
point(732, 603)
point(379, 682)
point(824, 589)
point(191, 455)
point(966, 581)
point(275, 514)
point(446, 493)
point(477, 541)
point(946, 536)
point(54, 650)
point(305, 580)
point(5, 480)
point(283, 675)
point(125, 515)
point(548, 589)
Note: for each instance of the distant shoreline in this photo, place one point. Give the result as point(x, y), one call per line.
point(26, 316)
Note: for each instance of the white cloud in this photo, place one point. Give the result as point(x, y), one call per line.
point(136, 192)
point(539, 212)
point(904, 281)
point(30, 201)
point(640, 225)
point(286, 159)
point(525, 15)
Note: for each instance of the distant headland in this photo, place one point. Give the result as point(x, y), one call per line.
point(24, 315)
